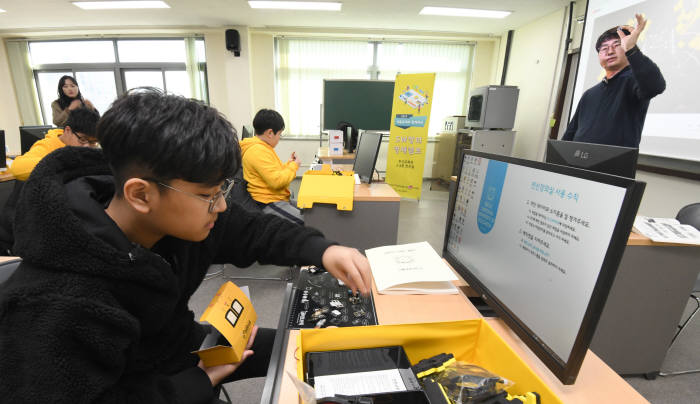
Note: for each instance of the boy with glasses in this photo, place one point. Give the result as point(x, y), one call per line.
point(115, 242)
point(267, 177)
point(613, 111)
point(79, 131)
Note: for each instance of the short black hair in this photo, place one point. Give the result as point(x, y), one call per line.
point(608, 35)
point(64, 100)
point(83, 120)
point(148, 134)
point(268, 119)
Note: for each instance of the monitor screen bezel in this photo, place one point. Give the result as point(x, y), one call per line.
point(565, 371)
point(376, 154)
point(3, 152)
point(28, 129)
point(554, 145)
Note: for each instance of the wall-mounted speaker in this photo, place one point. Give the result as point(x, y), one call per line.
point(233, 41)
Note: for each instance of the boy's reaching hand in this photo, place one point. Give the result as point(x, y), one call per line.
point(349, 266)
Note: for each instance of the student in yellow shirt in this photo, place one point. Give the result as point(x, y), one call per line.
point(79, 131)
point(268, 178)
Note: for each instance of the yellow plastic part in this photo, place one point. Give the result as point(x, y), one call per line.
point(326, 187)
point(527, 398)
point(436, 369)
point(472, 341)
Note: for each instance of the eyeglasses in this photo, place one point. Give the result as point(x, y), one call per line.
point(85, 139)
point(604, 49)
point(225, 190)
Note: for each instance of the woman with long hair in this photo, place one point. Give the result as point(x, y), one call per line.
point(69, 98)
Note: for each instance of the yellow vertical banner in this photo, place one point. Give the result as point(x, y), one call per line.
point(410, 116)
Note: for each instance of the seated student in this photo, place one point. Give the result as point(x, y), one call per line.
point(268, 179)
point(79, 131)
point(114, 243)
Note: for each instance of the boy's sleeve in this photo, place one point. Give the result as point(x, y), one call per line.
point(76, 349)
point(276, 176)
point(23, 165)
point(243, 237)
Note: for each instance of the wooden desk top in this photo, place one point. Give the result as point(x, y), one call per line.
point(6, 176)
point(596, 381)
point(323, 154)
point(639, 239)
point(375, 192)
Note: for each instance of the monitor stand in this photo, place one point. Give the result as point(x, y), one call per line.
point(484, 309)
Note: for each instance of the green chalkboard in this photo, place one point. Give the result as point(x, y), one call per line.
point(366, 104)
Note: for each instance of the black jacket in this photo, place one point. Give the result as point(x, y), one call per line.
point(90, 317)
point(613, 111)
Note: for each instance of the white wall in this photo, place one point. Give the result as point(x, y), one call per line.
point(229, 76)
point(664, 195)
point(262, 60)
point(532, 66)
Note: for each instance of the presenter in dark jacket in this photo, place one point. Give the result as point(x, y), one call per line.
point(613, 111)
point(115, 242)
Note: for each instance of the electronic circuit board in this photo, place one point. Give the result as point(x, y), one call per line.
point(319, 301)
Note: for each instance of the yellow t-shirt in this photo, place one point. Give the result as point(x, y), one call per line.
point(23, 165)
point(268, 178)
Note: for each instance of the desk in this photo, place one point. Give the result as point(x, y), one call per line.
point(346, 158)
point(596, 382)
point(6, 176)
point(645, 305)
point(373, 221)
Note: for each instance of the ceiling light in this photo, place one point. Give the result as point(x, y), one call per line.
point(2, 11)
point(113, 5)
point(296, 5)
point(464, 12)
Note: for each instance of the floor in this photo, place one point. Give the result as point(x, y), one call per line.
point(424, 220)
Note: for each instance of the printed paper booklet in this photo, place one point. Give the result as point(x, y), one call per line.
point(666, 230)
point(410, 269)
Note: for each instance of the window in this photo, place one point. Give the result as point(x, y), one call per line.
point(301, 67)
point(105, 69)
point(302, 64)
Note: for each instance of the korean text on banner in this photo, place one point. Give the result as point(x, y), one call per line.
point(410, 116)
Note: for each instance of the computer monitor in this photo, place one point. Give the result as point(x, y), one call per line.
point(3, 151)
point(616, 160)
point(541, 244)
point(247, 131)
point(28, 135)
point(366, 155)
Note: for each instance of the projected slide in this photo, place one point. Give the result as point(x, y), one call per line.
point(672, 40)
point(536, 240)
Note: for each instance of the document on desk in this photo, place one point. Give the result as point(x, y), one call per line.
point(666, 230)
point(410, 269)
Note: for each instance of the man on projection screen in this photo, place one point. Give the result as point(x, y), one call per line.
point(613, 111)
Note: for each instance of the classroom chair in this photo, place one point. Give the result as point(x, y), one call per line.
point(689, 214)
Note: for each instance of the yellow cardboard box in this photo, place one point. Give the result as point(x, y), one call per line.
point(233, 315)
point(324, 187)
point(472, 341)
